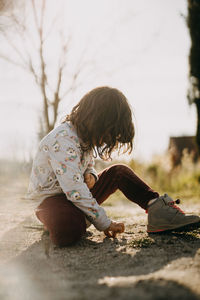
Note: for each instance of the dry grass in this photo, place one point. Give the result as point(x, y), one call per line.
point(182, 181)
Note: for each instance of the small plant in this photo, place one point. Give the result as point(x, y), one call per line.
point(144, 242)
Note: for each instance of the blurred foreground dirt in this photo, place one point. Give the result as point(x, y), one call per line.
point(134, 266)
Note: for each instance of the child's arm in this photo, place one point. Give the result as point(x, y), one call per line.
point(90, 168)
point(65, 161)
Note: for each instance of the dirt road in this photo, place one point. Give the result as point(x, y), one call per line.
point(134, 266)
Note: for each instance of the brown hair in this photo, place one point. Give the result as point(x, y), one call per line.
point(103, 121)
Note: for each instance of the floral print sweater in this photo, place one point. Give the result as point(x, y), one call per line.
point(59, 167)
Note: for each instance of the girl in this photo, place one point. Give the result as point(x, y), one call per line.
point(65, 182)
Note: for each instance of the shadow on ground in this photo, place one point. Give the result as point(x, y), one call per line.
point(99, 268)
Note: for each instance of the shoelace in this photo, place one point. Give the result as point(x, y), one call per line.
point(172, 204)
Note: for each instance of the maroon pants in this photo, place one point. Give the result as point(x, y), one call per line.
point(66, 223)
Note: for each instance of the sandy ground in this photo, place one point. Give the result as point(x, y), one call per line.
point(134, 266)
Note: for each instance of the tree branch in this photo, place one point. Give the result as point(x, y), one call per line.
point(62, 64)
point(56, 96)
point(50, 27)
point(75, 76)
point(16, 50)
point(8, 59)
point(43, 81)
point(35, 16)
point(32, 70)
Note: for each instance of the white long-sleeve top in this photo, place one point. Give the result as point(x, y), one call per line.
point(59, 167)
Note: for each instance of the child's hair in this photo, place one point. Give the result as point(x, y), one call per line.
point(103, 121)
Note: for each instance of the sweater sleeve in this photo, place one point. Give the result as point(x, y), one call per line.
point(90, 168)
point(64, 157)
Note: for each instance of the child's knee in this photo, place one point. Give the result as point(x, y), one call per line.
point(119, 169)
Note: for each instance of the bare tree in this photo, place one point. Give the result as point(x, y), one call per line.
point(193, 21)
point(30, 53)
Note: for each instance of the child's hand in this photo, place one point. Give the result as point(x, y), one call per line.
point(89, 180)
point(113, 229)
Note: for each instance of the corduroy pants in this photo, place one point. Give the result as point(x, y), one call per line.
point(66, 223)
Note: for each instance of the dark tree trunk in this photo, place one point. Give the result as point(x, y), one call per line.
point(198, 124)
point(194, 60)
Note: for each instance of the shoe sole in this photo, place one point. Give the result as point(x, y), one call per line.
point(187, 227)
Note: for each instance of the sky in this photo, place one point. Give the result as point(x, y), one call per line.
point(140, 47)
